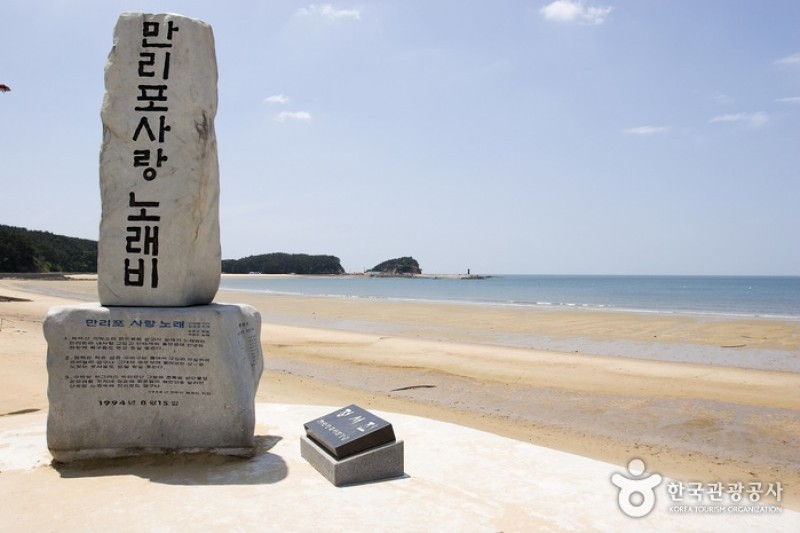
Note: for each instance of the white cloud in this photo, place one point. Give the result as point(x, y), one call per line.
point(793, 59)
point(750, 119)
point(575, 11)
point(302, 116)
point(563, 10)
point(646, 130)
point(790, 100)
point(329, 12)
point(723, 99)
point(276, 99)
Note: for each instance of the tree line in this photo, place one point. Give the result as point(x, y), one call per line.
point(283, 263)
point(30, 251)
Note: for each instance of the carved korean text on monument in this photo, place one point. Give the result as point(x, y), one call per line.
point(170, 363)
point(160, 357)
point(159, 232)
point(153, 66)
point(154, 353)
point(349, 430)
point(155, 367)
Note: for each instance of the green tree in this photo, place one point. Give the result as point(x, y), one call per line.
point(17, 254)
point(400, 265)
point(23, 250)
point(283, 263)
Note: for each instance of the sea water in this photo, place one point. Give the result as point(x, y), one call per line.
point(714, 296)
point(774, 296)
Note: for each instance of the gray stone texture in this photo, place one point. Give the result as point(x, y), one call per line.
point(138, 380)
point(383, 462)
point(159, 178)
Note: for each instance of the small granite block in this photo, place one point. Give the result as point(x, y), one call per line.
point(349, 431)
point(383, 462)
point(142, 380)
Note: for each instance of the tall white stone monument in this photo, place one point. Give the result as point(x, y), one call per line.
point(155, 367)
point(159, 179)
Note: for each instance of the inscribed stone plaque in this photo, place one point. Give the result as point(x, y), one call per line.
point(349, 430)
point(132, 380)
point(159, 178)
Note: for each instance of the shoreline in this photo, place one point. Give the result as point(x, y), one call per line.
point(555, 304)
point(694, 422)
point(511, 304)
point(759, 343)
point(536, 305)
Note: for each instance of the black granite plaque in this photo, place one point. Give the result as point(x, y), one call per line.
point(349, 431)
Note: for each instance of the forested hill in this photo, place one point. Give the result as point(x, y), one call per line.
point(30, 251)
point(23, 250)
point(398, 266)
point(282, 263)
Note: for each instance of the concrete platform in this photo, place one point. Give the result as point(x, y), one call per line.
point(456, 479)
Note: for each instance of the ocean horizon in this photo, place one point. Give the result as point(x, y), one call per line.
point(749, 296)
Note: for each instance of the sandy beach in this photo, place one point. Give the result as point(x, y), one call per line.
point(681, 406)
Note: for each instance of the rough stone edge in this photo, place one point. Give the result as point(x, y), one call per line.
point(69, 456)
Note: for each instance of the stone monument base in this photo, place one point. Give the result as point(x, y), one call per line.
point(383, 462)
point(69, 456)
point(144, 380)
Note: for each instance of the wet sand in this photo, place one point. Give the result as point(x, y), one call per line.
point(699, 398)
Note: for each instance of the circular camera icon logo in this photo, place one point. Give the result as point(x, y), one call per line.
point(637, 496)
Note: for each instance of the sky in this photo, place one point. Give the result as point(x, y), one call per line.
point(504, 137)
